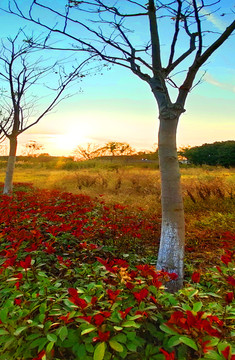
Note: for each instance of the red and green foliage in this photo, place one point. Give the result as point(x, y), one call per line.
point(72, 288)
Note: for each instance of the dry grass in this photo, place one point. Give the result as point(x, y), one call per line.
point(136, 187)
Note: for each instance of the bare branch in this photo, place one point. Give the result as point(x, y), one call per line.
point(199, 61)
point(176, 33)
point(21, 74)
point(156, 57)
point(111, 41)
point(57, 98)
point(192, 47)
point(199, 30)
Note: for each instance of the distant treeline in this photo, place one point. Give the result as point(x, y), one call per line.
point(70, 163)
point(215, 154)
point(218, 153)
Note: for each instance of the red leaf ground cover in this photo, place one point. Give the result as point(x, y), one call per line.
point(35, 218)
point(62, 279)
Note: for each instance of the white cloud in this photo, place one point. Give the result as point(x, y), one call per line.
point(211, 80)
point(215, 20)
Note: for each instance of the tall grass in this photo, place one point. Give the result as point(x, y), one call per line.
point(204, 189)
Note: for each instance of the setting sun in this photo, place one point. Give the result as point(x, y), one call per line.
point(67, 142)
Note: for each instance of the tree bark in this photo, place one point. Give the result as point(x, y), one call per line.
point(171, 251)
point(8, 184)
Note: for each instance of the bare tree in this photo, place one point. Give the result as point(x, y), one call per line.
point(89, 152)
point(32, 148)
point(92, 151)
point(117, 148)
point(20, 74)
point(126, 33)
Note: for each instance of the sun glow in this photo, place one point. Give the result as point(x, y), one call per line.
point(66, 143)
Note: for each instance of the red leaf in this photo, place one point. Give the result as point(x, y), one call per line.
point(142, 294)
point(168, 356)
point(196, 277)
point(229, 297)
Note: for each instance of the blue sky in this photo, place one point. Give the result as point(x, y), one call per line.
point(118, 106)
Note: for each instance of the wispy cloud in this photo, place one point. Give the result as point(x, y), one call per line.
point(215, 20)
point(211, 80)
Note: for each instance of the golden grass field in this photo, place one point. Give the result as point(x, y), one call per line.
point(138, 187)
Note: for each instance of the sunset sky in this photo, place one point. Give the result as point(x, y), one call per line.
point(118, 106)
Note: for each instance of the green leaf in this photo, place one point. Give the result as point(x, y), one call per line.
point(118, 328)
point(4, 314)
point(214, 341)
point(87, 331)
point(91, 286)
point(57, 285)
point(42, 274)
point(99, 352)
point(3, 332)
point(19, 330)
point(41, 317)
point(131, 335)
point(42, 345)
point(89, 347)
point(134, 317)
point(173, 341)
point(197, 306)
point(222, 345)
point(8, 342)
point(131, 346)
point(120, 337)
point(123, 355)
point(33, 336)
point(52, 337)
point(62, 332)
point(38, 342)
point(50, 346)
point(186, 307)
point(80, 350)
point(115, 345)
point(213, 294)
point(189, 342)
point(192, 293)
point(167, 329)
point(213, 355)
point(130, 324)
point(43, 308)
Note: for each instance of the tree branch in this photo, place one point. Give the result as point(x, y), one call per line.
point(156, 57)
point(192, 47)
point(199, 61)
point(199, 30)
point(175, 37)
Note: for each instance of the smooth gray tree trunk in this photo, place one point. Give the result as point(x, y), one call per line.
point(171, 251)
point(8, 184)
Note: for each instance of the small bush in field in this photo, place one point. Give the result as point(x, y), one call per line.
point(66, 295)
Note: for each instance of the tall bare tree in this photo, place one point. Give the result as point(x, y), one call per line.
point(126, 33)
point(20, 74)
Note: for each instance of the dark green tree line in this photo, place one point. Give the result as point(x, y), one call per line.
point(219, 153)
